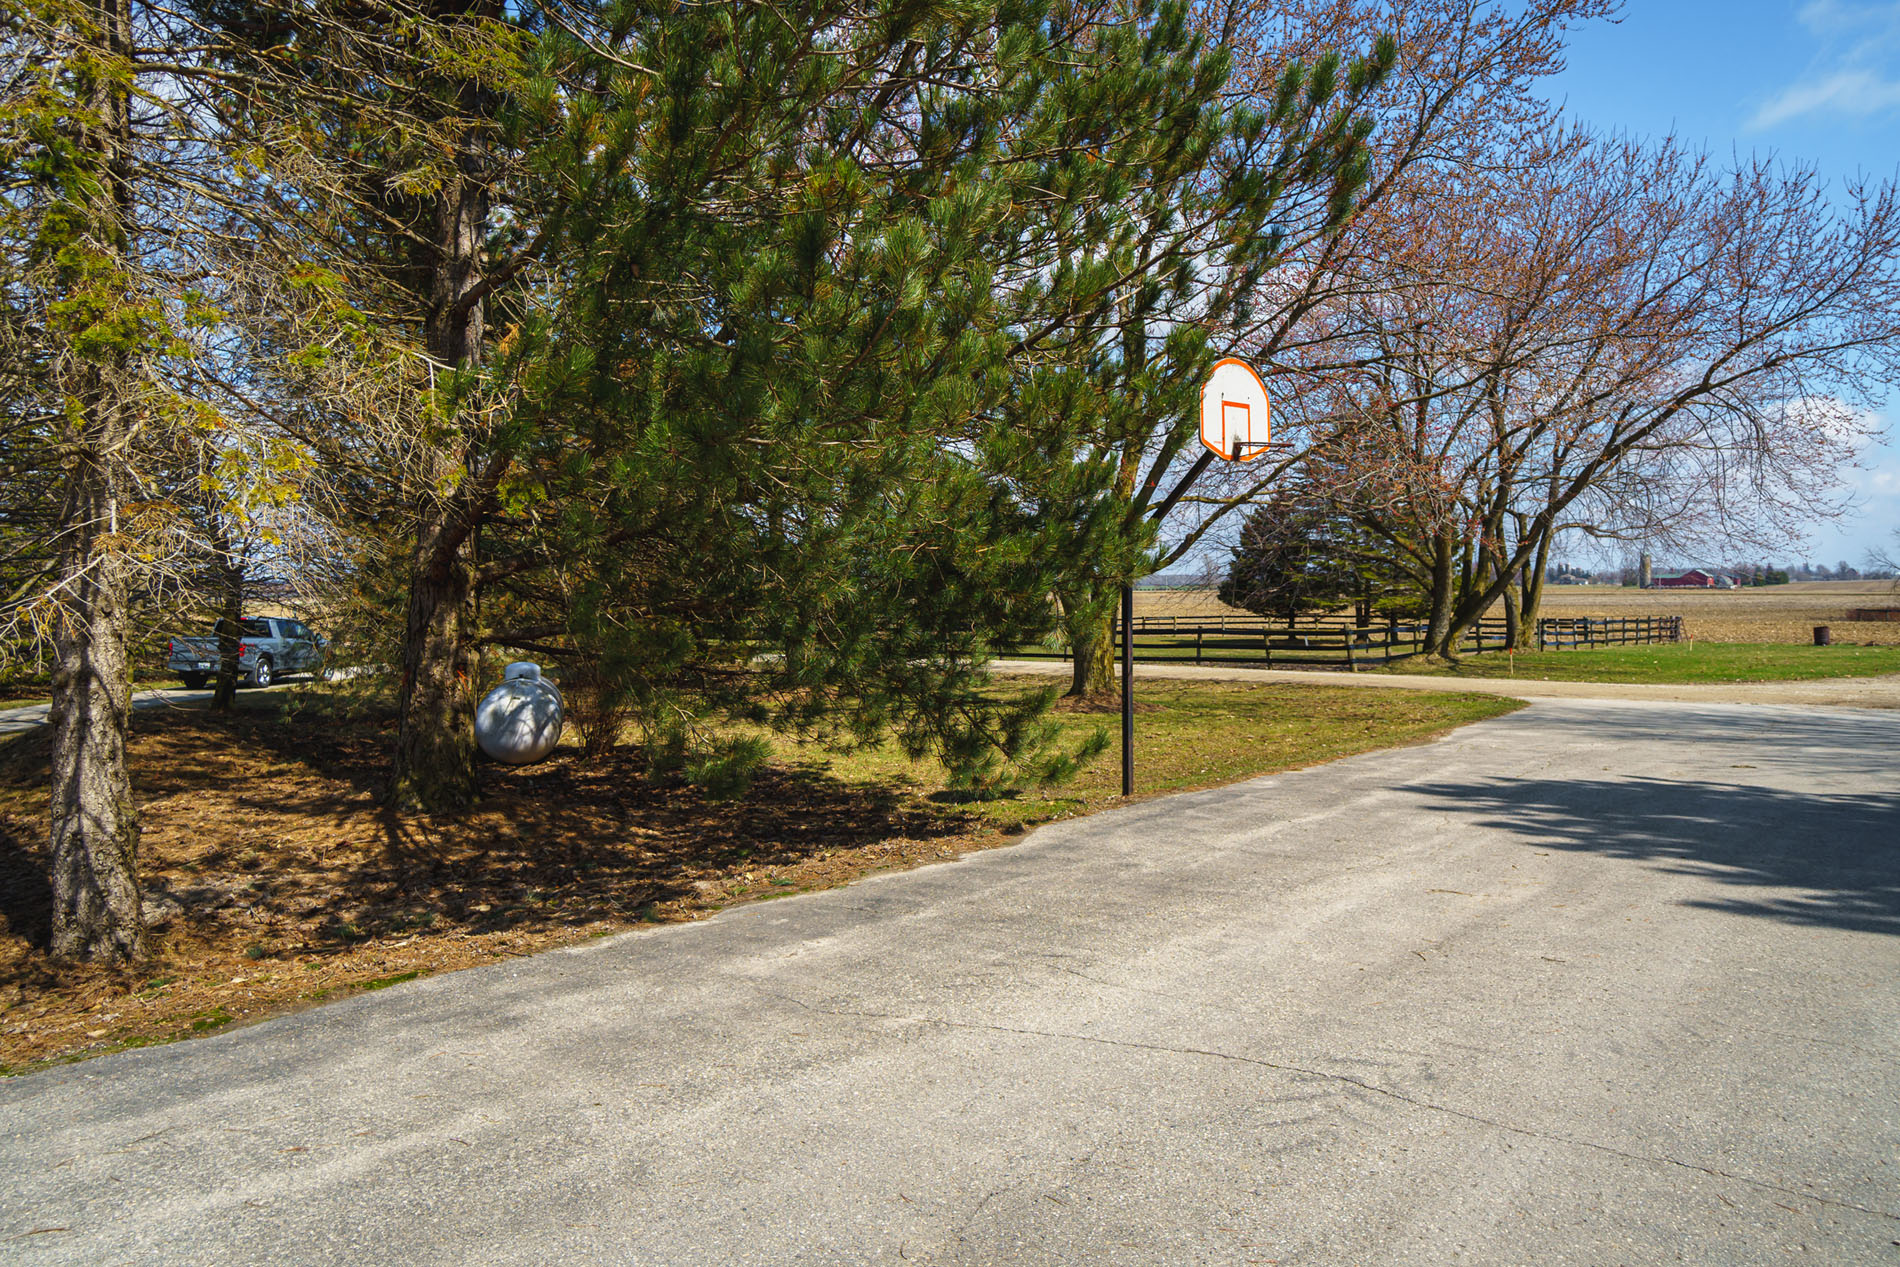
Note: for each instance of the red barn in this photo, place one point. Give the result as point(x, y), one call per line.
point(1693, 579)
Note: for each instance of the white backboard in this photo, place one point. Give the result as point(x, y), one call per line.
point(1235, 418)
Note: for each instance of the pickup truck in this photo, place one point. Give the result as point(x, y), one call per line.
point(268, 648)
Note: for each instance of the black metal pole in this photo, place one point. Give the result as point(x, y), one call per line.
point(1187, 482)
point(1128, 690)
point(1128, 622)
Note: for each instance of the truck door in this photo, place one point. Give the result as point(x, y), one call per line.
point(303, 650)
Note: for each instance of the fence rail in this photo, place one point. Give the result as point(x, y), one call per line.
point(1340, 642)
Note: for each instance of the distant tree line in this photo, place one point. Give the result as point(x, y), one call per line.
point(1286, 566)
point(1569, 574)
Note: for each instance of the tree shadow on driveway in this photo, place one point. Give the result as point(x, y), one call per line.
point(1836, 855)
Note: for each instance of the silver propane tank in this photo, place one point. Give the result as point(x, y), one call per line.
point(520, 721)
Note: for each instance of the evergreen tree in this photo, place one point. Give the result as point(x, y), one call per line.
point(72, 147)
point(1197, 243)
point(1300, 555)
point(379, 162)
point(114, 187)
point(797, 334)
point(801, 370)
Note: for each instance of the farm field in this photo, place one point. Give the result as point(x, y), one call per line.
point(313, 891)
point(1780, 613)
point(1776, 613)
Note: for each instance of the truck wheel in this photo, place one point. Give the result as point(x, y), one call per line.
point(260, 676)
point(193, 681)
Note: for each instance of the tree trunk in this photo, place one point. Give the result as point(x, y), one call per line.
point(1438, 624)
point(1499, 572)
point(94, 822)
point(1471, 606)
point(435, 740)
point(95, 832)
point(435, 746)
point(1534, 588)
point(1092, 638)
point(1513, 627)
point(1092, 626)
point(230, 634)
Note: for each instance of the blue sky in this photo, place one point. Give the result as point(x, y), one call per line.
point(1816, 81)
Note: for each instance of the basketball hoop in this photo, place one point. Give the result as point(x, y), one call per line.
point(1236, 420)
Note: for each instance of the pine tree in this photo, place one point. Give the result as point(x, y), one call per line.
point(70, 146)
point(375, 136)
point(830, 347)
point(1197, 238)
point(798, 334)
point(1301, 554)
point(112, 194)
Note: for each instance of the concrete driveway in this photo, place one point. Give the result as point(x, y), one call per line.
point(1596, 983)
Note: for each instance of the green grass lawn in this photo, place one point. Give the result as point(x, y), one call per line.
point(1196, 734)
point(1671, 663)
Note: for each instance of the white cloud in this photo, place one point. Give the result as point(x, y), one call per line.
point(1828, 17)
point(1873, 521)
point(1877, 483)
point(1853, 92)
point(1857, 72)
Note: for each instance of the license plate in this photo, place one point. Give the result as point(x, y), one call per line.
point(204, 664)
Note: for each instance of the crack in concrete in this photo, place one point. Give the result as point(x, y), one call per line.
point(1349, 1080)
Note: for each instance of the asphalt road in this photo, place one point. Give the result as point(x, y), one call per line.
point(13, 721)
point(1597, 983)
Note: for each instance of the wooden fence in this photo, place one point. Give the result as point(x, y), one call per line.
point(1338, 642)
point(1328, 642)
point(1563, 633)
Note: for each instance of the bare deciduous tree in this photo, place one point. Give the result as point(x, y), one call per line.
point(1618, 339)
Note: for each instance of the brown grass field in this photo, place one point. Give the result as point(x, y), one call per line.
point(1779, 613)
